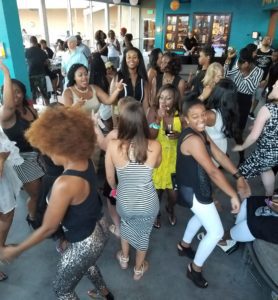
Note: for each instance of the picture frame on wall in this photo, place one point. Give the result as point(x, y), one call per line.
point(177, 27)
point(213, 29)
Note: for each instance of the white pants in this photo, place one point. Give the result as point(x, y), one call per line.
point(240, 232)
point(204, 215)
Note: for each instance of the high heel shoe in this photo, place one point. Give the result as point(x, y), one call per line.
point(95, 294)
point(31, 222)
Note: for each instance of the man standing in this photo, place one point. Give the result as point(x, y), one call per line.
point(263, 61)
point(82, 47)
point(37, 60)
point(72, 56)
point(46, 49)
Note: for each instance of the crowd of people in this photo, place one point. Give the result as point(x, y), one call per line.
point(160, 133)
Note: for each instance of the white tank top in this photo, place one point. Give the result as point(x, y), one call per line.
point(112, 51)
point(91, 104)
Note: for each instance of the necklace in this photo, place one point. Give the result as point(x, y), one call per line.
point(81, 91)
point(167, 79)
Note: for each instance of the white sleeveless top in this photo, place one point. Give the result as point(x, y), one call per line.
point(112, 51)
point(91, 104)
point(216, 132)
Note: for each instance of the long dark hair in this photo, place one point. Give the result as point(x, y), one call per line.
point(141, 69)
point(153, 58)
point(133, 129)
point(98, 73)
point(23, 90)
point(71, 72)
point(176, 96)
point(224, 99)
point(174, 64)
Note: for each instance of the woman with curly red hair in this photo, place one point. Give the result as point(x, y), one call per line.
point(72, 202)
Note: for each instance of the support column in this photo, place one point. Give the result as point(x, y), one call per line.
point(70, 25)
point(43, 20)
point(106, 17)
point(10, 36)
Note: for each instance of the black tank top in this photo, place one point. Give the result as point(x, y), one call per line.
point(16, 132)
point(159, 81)
point(190, 174)
point(80, 220)
point(137, 92)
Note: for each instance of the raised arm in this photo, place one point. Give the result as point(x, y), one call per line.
point(262, 117)
point(8, 108)
point(105, 98)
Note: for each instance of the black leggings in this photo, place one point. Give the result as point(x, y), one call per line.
point(244, 105)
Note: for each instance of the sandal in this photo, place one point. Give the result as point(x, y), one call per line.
point(138, 274)
point(171, 216)
point(185, 251)
point(96, 294)
point(123, 261)
point(196, 277)
point(157, 222)
point(113, 230)
point(3, 276)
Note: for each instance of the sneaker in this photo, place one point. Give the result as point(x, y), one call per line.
point(251, 116)
point(230, 246)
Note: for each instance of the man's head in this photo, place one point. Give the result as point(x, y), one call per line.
point(33, 41)
point(123, 31)
point(79, 39)
point(43, 44)
point(72, 42)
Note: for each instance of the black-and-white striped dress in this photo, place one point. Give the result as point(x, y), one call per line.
point(137, 203)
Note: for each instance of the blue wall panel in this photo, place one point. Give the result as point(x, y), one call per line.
point(247, 16)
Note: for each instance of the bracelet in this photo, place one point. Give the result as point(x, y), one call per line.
point(237, 175)
point(154, 126)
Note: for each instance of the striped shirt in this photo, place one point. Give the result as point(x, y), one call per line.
point(245, 85)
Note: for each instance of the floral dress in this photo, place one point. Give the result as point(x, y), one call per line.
point(265, 156)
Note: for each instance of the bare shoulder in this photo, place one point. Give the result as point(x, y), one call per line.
point(113, 144)
point(112, 135)
point(154, 146)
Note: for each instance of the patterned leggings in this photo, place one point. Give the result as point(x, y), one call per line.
point(80, 259)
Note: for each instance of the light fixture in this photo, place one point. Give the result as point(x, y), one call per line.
point(175, 5)
point(133, 2)
point(116, 1)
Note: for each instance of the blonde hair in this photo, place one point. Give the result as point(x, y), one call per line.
point(209, 79)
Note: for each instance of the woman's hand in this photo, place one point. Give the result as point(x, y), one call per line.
point(9, 253)
point(231, 54)
point(243, 188)
point(79, 103)
point(237, 148)
point(235, 203)
point(120, 85)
